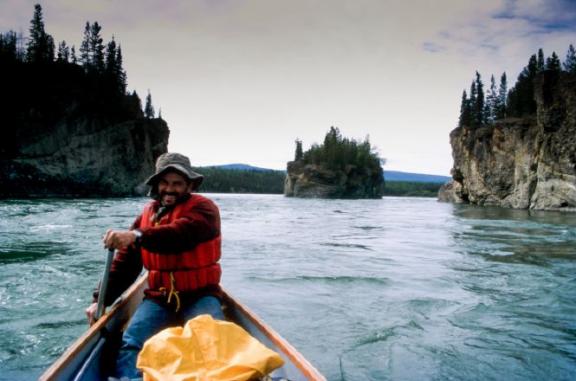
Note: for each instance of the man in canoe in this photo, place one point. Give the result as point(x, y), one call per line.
point(177, 239)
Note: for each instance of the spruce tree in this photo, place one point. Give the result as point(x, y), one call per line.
point(464, 111)
point(97, 47)
point(120, 71)
point(111, 64)
point(149, 109)
point(472, 104)
point(299, 154)
point(8, 47)
point(41, 45)
point(479, 110)
point(63, 52)
point(553, 63)
point(73, 58)
point(502, 93)
point(85, 54)
point(491, 102)
point(540, 61)
point(570, 62)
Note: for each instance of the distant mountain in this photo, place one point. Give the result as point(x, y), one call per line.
point(242, 167)
point(388, 175)
point(415, 177)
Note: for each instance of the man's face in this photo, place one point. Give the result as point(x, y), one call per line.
point(171, 187)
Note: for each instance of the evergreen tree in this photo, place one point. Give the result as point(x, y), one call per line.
point(85, 55)
point(532, 67)
point(97, 48)
point(41, 45)
point(149, 109)
point(8, 47)
point(553, 63)
point(111, 55)
point(521, 97)
point(121, 73)
point(479, 111)
point(492, 102)
point(465, 111)
point(502, 93)
point(299, 154)
point(570, 62)
point(540, 61)
point(73, 58)
point(63, 52)
point(472, 104)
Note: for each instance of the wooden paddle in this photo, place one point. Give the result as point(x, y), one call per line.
point(104, 285)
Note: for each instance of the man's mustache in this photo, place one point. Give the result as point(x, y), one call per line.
point(175, 194)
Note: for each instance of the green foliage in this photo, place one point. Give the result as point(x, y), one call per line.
point(521, 97)
point(411, 189)
point(220, 180)
point(40, 90)
point(570, 62)
point(500, 111)
point(476, 110)
point(149, 109)
point(465, 111)
point(553, 63)
point(10, 51)
point(338, 152)
point(41, 44)
point(299, 154)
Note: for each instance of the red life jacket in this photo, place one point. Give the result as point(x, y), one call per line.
point(190, 270)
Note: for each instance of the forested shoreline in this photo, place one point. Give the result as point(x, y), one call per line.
point(482, 107)
point(261, 181)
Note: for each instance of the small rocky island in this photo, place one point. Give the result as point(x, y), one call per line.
point(69, 127)
point(523, 155)
point(339, 168)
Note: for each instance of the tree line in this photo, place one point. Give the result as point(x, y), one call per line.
point(101, 63)
point(221, 180)
point(337, 152)
point(480, 107)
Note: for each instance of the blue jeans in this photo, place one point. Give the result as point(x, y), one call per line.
point(149, 319)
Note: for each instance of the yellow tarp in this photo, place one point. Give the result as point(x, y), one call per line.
point(205, 350)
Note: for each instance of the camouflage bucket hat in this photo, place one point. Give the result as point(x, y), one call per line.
point(177, 162)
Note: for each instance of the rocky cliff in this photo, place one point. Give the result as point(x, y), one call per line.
point(521, 163)
point(84, 157)
point(316, 181)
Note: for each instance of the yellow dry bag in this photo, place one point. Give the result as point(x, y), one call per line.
point(206, 350)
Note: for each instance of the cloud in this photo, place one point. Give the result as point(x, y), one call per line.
point(546, 15)
point(500, 35)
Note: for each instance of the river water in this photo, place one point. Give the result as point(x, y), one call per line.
point(391, 289)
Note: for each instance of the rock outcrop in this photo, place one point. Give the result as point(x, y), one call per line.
point(84, 157)
point(316, 181)
point(521, 163)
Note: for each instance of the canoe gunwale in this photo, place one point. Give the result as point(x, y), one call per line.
point(94, 333)
point(307, 369)
point(83, 346)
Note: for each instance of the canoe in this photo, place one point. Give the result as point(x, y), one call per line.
point(90, 357)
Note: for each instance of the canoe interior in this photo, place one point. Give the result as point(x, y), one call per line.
point(92, 356)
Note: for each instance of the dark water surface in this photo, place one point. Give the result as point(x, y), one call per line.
point(392, 289)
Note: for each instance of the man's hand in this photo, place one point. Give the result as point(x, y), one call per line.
point(91, 313)
point(116, 239)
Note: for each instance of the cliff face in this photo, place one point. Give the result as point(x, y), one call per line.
point(521, 163)
point(315, 181)
point(84, 157)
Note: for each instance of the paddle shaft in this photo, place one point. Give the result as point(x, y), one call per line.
point(104, 284)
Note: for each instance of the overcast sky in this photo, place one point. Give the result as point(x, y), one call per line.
point(239, 81)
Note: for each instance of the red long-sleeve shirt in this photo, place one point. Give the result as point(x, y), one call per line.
point(200, 224)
